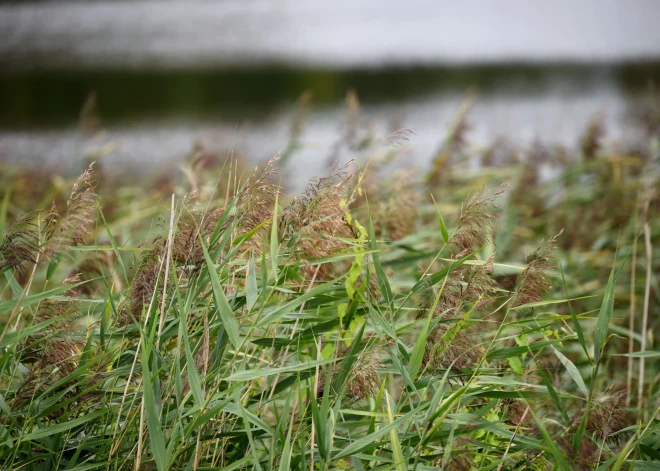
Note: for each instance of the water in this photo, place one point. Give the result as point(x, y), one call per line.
point(555, 116)
point(227, 74)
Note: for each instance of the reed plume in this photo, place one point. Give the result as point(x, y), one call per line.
point(608, 416)
point(257, 202)
point(317, 221)
point(77, 224)
point(20, 243)
point(585, 458)
point(453, 145)
point(192, 225)
point(459, 459)
point(144, 283)
point(458, 350)
point(90, 268)
point(395, 210)
point(533, 282)
point(456, 346)
point(363, 379)
point(475, 225)
point(59, 358)
point(591, 142)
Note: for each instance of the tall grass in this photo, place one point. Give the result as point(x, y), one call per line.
point(226, 325)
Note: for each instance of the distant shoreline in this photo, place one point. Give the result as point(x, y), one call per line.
point(44, 98)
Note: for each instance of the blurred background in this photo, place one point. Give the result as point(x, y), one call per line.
point(141, 83)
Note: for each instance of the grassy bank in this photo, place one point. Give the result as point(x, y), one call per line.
point(499, 318)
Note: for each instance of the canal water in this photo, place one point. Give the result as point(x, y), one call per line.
point(229, 75)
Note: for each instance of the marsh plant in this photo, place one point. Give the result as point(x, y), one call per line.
point(360, 325)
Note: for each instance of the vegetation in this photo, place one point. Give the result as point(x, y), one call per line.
point(499, 318)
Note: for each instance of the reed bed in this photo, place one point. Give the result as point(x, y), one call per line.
point(494, 319)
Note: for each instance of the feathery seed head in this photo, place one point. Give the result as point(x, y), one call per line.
point(533, 282)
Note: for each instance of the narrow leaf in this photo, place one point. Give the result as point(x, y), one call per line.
point(156, 436)
point(251, 291)
point(443, 229)
point(226, 314)
point(261, 373)
point(605, 314)
point(572, 371)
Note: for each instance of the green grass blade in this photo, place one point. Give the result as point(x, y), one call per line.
point(261, 373)
point(115, 248)
point(558, 455)
point(605, 314)
point(572, 371)
point(440, 275)
point(226, 314)
point(8, 306)
point(274, 240)
point(63, 427)
point(248, 429)
point(383, 281)
point(371, 439)
point(576, 323)
point(156, 436)
point(349, 360)
point(420, 345)
point(400, 463)
point(193, 375)
point(251, 290)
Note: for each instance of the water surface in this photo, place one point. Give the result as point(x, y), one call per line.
point(228, 74)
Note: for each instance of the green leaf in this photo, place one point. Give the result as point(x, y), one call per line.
point(261, 373)
point(8, 306)
point(370, 440)
point(16, 288)
point(605, 314)
point(553, 393)
point(18, 335)
point(115, 248)
point(438, 276)
point(349, 360)
point(274, 240)
point(572, 371)
point(516, 365)
point(208, 416)
point(289, 307)
point(576, 323)
point(420, 344)
point(443, 229)
point(156, 436)
point(273, 342)
point(623, 454)
point(548, 302)
point(560, 459)
point(383, 282)
point(251, 291)
point(400, 463)
point(62, 427)
point(226, 314)
point(511, 394)
point(248, 429)
point(504, 353)
point(644, 354)
point(247, 236)
point(238, 410)
point(239, 464)
point(193, 375)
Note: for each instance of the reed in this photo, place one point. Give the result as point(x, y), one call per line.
point(368, 323)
